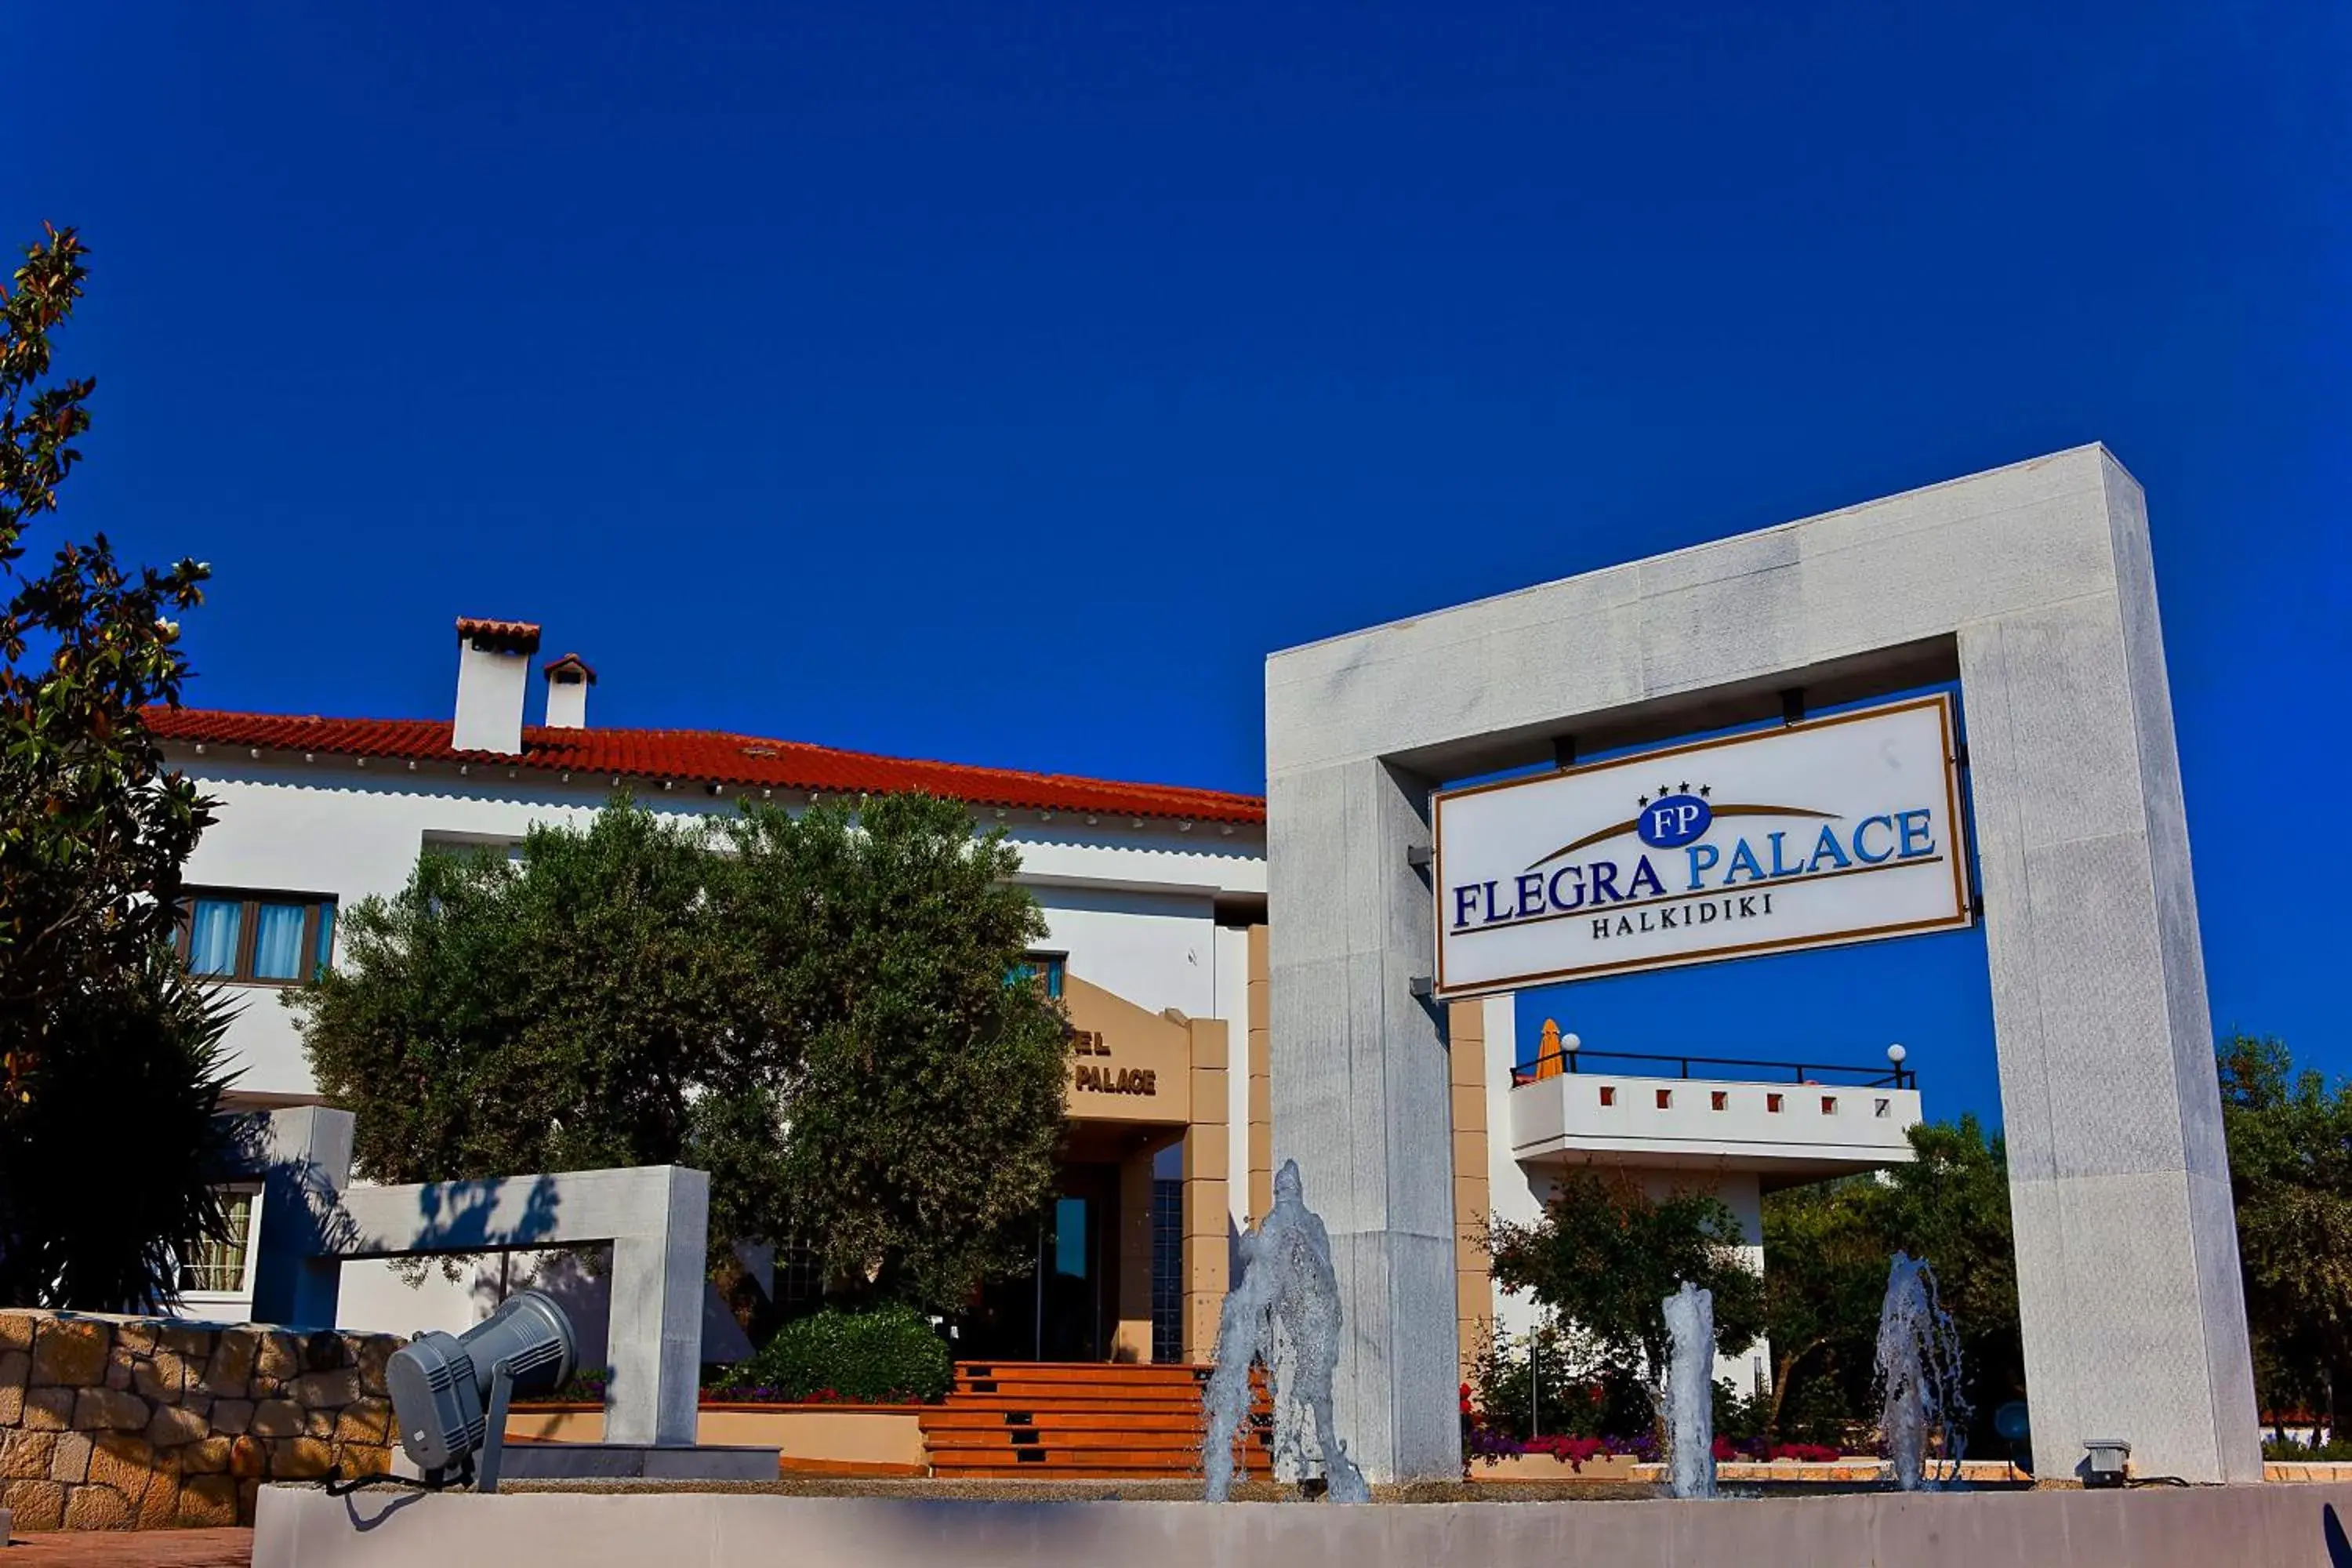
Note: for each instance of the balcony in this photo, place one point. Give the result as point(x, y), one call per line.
point(1790, 1123)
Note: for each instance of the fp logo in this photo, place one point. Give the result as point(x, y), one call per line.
point(1670, 821)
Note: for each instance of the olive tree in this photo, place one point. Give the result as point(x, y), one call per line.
point(819, 1009)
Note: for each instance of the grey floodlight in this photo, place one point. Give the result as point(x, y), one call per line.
point(439, 1383)
point(2106, 1461)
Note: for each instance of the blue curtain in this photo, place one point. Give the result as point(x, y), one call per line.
point(211, 937)
point(278, 941)
point(325, 948)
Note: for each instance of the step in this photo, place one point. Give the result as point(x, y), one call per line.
point(1148, 1461)
point(953, 1420)
point(1028, 1438)
point(1018, 1401)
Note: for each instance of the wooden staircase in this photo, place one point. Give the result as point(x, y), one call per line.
point(1077, 1421)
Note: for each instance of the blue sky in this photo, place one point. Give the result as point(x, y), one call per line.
point(1002, 383)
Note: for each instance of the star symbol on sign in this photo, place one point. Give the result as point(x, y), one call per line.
point(1682, 788)
point(1702, 792)
point(1643, 801)
point(1662, 790)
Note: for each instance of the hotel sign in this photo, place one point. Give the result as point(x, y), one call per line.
point(1839, 830)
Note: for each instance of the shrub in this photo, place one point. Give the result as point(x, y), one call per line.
point(890, 1353)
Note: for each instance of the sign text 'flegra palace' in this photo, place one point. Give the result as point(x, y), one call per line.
point(1840, 829)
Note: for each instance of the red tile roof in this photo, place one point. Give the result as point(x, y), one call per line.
point(705, 756)
point(504, 637)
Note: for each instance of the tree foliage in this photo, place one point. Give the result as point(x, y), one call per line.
point(94, 829)
point(1826, 1251)
point(814, 1008)
point(1606, 1254)
point(2290, 1135)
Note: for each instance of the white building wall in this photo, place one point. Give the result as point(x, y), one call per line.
point(1132, 906)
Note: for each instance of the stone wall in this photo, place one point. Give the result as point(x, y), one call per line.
point(113, 1422)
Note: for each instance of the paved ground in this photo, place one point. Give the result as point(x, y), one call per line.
point(130, 1549)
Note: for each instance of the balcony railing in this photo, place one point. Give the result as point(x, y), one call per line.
point(1553, 1064)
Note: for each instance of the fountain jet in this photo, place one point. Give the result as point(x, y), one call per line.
point(1919, 1371)
point(1690, 1393)
point(1285, 1311)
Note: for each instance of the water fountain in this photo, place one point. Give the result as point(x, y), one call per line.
point(1285, 1311)
point(1689, 1393)
point(1920, 1369)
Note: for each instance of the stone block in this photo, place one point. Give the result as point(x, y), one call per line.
point(109, 1409)
point(35, 1505)
point(327, 1390)
point(205, 1457)
point(300, 1459)
point(229, 1370)
point(232, 1415)
point(172, 1425)
point(247, 1490)
point(12, 1405)
point(48, 1409)
point(136, 1338)
point(124, 1462)
point(319, 1423)
point(70, 1457)
point(24, 1455)
point(366, 1421)
point(208, 1503)
point(16, 1330)
point(276, 1358)
point(160, 1508)
point(160, 1379)
point(366, 1459)
point(247, 1457)
point(15, 1368)
point(374, 1353)
point(119, 1365)
point(186, 1342)
point(70, 1354)
point(98, 1508)
point(277, 1418)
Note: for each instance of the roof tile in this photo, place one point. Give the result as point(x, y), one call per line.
point(707, 756)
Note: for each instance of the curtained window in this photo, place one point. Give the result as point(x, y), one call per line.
point(272, 938)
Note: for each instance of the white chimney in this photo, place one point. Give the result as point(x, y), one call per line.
point(568, 680)
point(493, 668)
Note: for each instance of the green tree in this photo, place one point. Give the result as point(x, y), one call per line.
point(1826, 1252)
point(94, 829)
point(2290, 1137)
point(816, 1009)
point(1605, 1255)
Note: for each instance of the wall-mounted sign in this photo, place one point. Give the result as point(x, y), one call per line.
point(1838, 830)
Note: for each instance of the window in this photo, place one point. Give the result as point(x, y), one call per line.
point(1044, 968)
point(225, 1267)
point(271, 939)
point(1719, 1099)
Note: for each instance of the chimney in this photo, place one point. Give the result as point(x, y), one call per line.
point(493, 663)
point(568, 680)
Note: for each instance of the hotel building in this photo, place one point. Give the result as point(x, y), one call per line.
point(1155, 900)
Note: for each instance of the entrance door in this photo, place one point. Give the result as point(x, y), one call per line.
point(1070, 1284)
point(1060, 1309)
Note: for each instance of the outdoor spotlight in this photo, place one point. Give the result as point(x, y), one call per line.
point(2103, 1465)
point(439, 1383)
point(1895, 1054)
